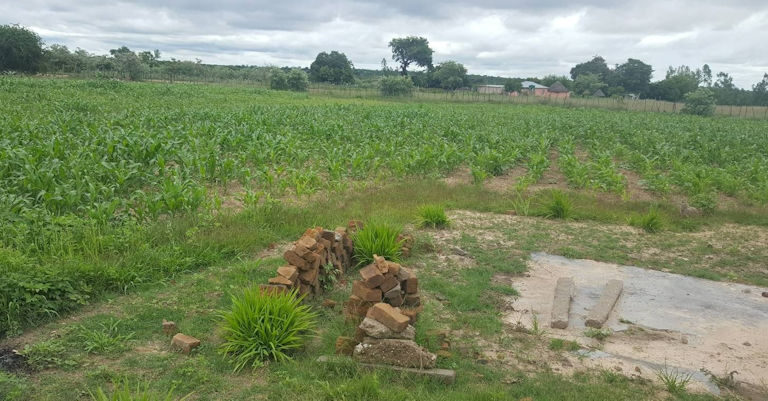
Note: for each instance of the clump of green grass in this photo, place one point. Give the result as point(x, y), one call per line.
point(106, 339)
point(123, 392)
point(377, 238)
point(558, 344)
point(674, 380)
point(433, 216)
point(559, 206)
point(47, 354)
point(262, 327)
point(651, 222)
point(598, 334)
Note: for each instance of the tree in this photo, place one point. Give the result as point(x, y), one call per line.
point(396, 86)
point(587, 84)
point(20, 49)
point(151, 59)
point(297, 80)
point(333, 67)
point(701, 102)
point(634, 76)
point(596, 66)
point(411, 50)
point(706, 75)
point(678, 82)
point(513, 85)
point(450, 75)
point(127, 63)
point(760, 92)
point(551, 79)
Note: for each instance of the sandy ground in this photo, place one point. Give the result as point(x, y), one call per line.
point(661, 321)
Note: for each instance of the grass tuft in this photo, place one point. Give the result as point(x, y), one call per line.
point(559, 206)
point(651, 222)
point(674, 380)
point(377, 238)
point(123, 392)
point(433, 216)
point(262, 327)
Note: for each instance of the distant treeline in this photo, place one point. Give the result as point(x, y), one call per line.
point(22, 50)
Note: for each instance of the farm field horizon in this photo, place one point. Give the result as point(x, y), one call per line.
point(126, 202)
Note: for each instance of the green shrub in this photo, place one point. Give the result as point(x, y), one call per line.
point(377, 238)
point(674, 380)
point(433, 216)
point(47, 354)
point(262, 327)
point(123, 392)
point(106, 339)
point(705, 201)
point(278, 80)
point(396, 86)
point(700, 102)
point(598, 334)
point(650, 222)
point(297, 80)
point(559, 206)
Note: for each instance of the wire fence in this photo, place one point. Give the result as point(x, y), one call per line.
point(370, 91)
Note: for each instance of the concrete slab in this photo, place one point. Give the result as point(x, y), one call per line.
point(561, 302)
point(599, 313)
point(660, 319)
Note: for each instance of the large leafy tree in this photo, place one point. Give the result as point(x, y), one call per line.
point(411, 50)
point(596, 66)
point(333, 67)
point(127, 62)
point(587, 84)
point(20, 49)
point(450, 75)
point(760, 92)
point(678, 82)
point(634, 76)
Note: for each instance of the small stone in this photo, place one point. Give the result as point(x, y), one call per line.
point(374, 328)
point(458, 251)
point(638, 370)
point(747, 344)
point(184, 343)
point(169, 328)
point(684, 340)
point(329, 303)
point(345, 346)
point(746, 291)
point(765, 294)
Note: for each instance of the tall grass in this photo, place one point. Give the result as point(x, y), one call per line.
point(377, 238)
point(433, 216)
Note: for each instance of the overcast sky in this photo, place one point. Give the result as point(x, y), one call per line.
point(496, 37)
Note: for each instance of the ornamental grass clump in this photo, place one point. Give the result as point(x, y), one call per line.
point(433, 216)
point(262, 327)
point(377, 238)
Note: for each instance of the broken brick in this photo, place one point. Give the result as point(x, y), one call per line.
point(296, 260)
point(289, 272)
point(184, 343)
point(371, 276)
point(388, 316)
point(366, 294)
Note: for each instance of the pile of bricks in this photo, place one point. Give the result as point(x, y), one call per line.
point(310, 259)
point(382, 281)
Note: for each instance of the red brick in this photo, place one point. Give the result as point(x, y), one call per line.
point(304, 289)
point(412, 300)
point(412, 313)
point(169, 328)
point(280, 280)
point(390, 282)
point(296, 260)
point(388, 316)
point(289, 272)
point(394, 268)
point(307, 242)
point(301, 250)
point(381, 264)
point(345, 346)
point(184, 343)
point(356, 308)
point(366, 294)
point(395, 300)
point(328, 235)
point(309, 276)
point(355, 225)
point(371, 276)
point(411, 285)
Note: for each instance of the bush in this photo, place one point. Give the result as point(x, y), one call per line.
point(705, 201)
point(650, 222)
point(377, 238)
point(295, 80)
point(433, 216)
point(700, 102)
point(396, 86)
point(559, 207)
point(123, 392)
point(264, 327)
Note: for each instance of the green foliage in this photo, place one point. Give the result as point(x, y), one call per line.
point(123, 392)
point(587, 84)
point(295, 80)
point(377, 238)
point(396, 86)
point(262, 327)
point(700, 102)
point(598, 334)
point(559, 206)
point(634, 76)
point(705, 201)
point(48, 354)
point(433, 216)
point(513, 85)
point(20, 49)
point(12, 388)
point(674, 381)
point(450, 75)
point(331, 276)
point(106, 339)
point(411, 50)
point(333, 67)
point(558, 344)
point(651, 222)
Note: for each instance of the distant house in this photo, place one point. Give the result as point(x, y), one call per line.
point(598, 93)
point(530, 88)
point(498, 89)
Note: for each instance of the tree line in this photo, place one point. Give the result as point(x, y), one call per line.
point(23, 50)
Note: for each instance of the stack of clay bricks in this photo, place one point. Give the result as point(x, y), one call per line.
point(309, 260)
point(383, 281)
point(388, 338)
